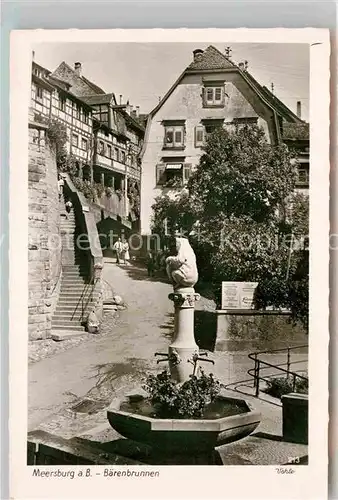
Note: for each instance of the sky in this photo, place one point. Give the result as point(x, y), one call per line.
point(144, 72)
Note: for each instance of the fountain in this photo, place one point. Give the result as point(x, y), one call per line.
point(184, 440)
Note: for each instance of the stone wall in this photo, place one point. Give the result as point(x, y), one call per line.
point(44, 246)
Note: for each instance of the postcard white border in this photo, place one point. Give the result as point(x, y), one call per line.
point(174, 482)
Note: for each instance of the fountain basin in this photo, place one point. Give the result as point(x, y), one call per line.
point(230, 419)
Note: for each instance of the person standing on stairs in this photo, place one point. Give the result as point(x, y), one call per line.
point(61, 183)
point(69, 206)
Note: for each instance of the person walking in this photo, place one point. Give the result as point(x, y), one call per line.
point(61, 183)
point(118, 247)
point(150, 264)
point(126, 256)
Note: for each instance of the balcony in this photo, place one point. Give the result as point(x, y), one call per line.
point(117, 166)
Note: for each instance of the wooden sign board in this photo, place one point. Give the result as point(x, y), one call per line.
point(238, 294)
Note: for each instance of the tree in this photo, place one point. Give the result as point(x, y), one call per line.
point(241, 194)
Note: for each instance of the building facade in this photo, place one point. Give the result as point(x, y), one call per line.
point(211, 92)
point(103, 137)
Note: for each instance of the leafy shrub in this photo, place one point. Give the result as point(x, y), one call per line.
point(99, 188)
point(277, 387)
point(171, 400)
point(86, 188)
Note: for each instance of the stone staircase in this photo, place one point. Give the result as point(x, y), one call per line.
point(74, 290)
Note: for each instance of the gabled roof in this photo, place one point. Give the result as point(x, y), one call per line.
point(58, 82)
point(45, 70)
point(60, 86)
point(99, 99)
point(132, 121)
point(276, 103)
point(211, 58)
point(213, 61)
point(96, 89)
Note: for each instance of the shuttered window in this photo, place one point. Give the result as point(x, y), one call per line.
point(174, 136)
point(160, 174)
point(199, 136)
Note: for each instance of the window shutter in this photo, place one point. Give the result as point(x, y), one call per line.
point(203, 96)
point(199, 136)
point(160, 169)
point(186, 172)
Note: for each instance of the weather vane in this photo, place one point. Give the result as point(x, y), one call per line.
point(228, 51)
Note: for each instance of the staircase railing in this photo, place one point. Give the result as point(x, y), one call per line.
point(94, 281)
point(261, 364)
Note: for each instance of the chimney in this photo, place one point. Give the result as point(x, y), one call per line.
point(137, 111)
point(128, 108)
point(241, 66)
point(33, 55)
point(197, 54)
point(299, 109)
point(121, 98)
point(78, 68)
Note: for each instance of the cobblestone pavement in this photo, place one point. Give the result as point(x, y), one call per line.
point(106, 366)
point(116, 359)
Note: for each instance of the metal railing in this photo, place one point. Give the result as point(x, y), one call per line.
point(282, 368)
point(91, 283)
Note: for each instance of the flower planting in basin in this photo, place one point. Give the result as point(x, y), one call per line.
point(188, 418)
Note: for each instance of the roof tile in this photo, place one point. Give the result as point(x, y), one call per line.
point(211, 58)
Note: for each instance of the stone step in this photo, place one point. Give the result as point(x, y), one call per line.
point(75, 302)
point(60, 335)
point(62, 325)
point(56, 319)
point(72, 286)
point(71, 312)
point(71, 272)
point(74, 312)
point(73, 269)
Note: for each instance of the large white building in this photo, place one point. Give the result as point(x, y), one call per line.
point(211, 92)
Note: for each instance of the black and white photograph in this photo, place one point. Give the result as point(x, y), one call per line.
point(169, 256)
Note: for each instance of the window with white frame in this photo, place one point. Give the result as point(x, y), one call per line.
point(213, 95)
point(174, 135)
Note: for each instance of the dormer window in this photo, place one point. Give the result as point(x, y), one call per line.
point(213, 94)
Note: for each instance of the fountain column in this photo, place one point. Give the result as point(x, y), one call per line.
point(184, 346)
